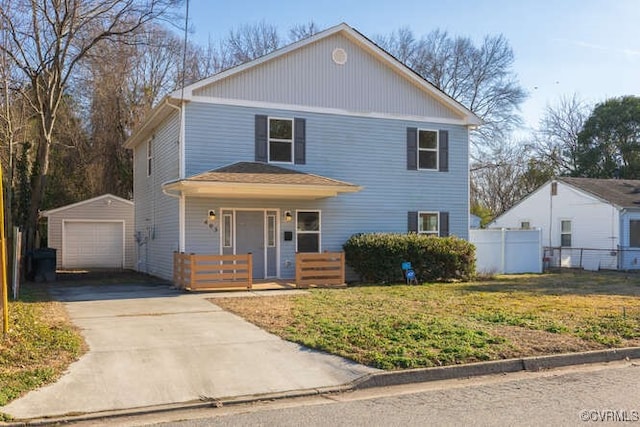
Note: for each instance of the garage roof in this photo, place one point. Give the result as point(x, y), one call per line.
point(107, 198)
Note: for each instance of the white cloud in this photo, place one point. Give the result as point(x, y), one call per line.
point(627, 52)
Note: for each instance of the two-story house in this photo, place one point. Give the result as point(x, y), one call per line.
point(295, 152)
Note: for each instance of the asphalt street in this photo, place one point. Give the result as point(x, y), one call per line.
point(602, 394)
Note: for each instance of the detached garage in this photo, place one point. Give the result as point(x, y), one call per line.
point(95, 233)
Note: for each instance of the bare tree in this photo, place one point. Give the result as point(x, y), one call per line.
point(303, 31)
point(151, 70)
point(478, 76)
point(249, 42)
point(48, 38)
point(507, 175)
point(242, 44)
point(558, 133)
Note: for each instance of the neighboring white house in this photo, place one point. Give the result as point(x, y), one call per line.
point(589, 223)
point(94, 233)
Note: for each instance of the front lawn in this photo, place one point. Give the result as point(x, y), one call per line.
point(395, 327)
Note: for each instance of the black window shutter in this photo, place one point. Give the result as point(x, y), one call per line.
point(443, 149)
point(261, 139)
point(299, 141)
point(412, 221)
point(444, 224)
point(412, 149)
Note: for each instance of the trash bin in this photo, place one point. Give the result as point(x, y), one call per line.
point(44, 264)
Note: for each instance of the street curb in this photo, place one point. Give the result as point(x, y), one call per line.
point(535, 363)
point(377, 379)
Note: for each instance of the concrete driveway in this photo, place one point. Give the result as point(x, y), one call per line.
point(151, 345)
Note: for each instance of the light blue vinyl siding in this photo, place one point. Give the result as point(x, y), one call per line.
point(370, 152)
point(156, 214)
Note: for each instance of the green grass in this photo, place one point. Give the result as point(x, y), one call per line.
point(40, 345)
point(396, 327)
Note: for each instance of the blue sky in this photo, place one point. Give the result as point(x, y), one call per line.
point(562, 47)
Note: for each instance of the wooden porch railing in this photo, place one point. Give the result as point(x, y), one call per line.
point(325, 268)
point(197, 272)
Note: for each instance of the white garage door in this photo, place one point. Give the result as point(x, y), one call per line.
point(92, 245)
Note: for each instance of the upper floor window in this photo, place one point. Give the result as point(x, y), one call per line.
point(565, 233)
point(427, 149)
point(149, 157)
point(429, 223)
point(280, 140)
point(525, 225)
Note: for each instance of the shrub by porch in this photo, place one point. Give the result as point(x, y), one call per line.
point(378, 257)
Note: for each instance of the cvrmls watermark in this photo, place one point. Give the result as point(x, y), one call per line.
point(608, 415)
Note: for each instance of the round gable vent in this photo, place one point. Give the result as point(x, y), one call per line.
point(339, 56)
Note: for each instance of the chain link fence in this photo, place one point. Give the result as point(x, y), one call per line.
point(620, 258)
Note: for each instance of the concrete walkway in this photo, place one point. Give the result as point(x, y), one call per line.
point(150, 345)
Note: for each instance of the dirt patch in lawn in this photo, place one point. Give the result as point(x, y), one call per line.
point(270, 313)
point(527, 342)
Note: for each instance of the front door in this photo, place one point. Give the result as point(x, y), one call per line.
point(250, 238)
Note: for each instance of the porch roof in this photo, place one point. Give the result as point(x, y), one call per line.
point(259, 180)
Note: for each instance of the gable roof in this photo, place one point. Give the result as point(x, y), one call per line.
point(189, 92)
point(260, 180)
point(106, 197)
point(622, 193)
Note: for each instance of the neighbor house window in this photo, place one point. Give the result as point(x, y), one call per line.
point(280, 140)
point(428, 223)
point(308, 231)
point(565, 233)
point(227, 230)
point(149, 157)
point(634, 233)
point(525, 225)
point(428, 149)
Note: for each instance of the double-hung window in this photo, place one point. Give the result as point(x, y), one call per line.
point(308, 231)
point(565, 233)
point(280, 140)
point(427, 149)
point(429, 223)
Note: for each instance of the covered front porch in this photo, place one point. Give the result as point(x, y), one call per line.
point(247, 222)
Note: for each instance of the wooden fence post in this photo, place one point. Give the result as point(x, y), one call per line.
point(192, 271)
point(249, 271)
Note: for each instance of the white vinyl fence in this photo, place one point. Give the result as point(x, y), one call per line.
point(505, 251)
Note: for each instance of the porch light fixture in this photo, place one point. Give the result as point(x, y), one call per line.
point(212, 215)
point(287, 216)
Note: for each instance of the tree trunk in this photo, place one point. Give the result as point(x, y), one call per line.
point(38, 184)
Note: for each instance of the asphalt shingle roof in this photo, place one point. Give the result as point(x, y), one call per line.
point(261, 173)
point(624, 193)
